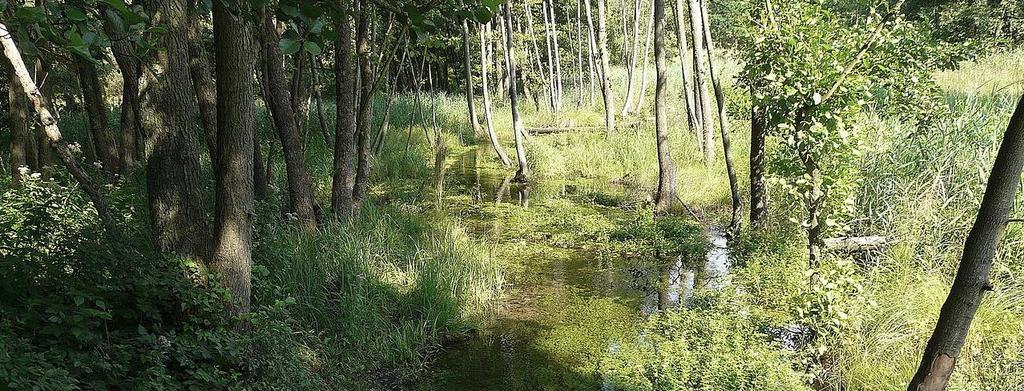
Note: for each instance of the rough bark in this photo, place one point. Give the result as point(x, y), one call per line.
point(606, 84)
point(492, 134)
point(723, 126)
point(203, 84)
point(176, 204)
point(235, 66)
point(96, 112)
point(523, 173)
point(666, 166)
point(49, 122)
point(364, 113)
point(758, 185)
point(972, 276)
point(345, 120)
point(300, 189)
point(700, 77)
point(684, 60)
point(131, 72)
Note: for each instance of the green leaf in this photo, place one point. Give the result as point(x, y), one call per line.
point(289, 46)
point(75, 14)
point(311, 48)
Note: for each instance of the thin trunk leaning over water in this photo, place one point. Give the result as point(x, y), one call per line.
point(723, 126)
point(666, 166)
point(492, 135)
point(235, 67)
point(523, 173)
point(972, 277)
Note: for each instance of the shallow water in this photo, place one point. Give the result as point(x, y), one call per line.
point(570, 303)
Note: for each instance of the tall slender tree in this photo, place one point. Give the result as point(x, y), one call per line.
point(345, 124)
point(468, 75)
point(235, 67)
point(684, 60)
point(602, 48)
point(723, 126)
point(492, 135)
point(300, 188)
point(703, 102)
point(523, 173)
point(666, 166)
point(96, 113)
point(21, 138)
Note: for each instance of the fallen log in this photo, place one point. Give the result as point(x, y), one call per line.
point(563, 129)
point(857, 243)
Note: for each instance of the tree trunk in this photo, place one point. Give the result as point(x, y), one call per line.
point(723, 125)
point(606, 84)
point(642, 92)
point(634, 50)
point(536, 50)
point(364, 115)
point(96, 110)
point(468, 75)
point(702, 99)
point(523, 173)
point(173, 181)
point(666, 166)
point(552, 76)
point(300, 190)
point(259, 179)
point(345, 125)
point(971, 280)
point(579, 54)
point(591, 51)
point(691, 109)
point(556, 51)
point(203, 84)
point(235, 66)
point(21, 138)
point(758, 186)
point(492, 134)
point(20, 73)
point(131, 72)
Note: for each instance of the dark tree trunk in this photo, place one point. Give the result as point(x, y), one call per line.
point(172, 161)
point(131, 72)
point(758, 186)
point(21, 138)
point(345, 125)
point(523, 173)
point(300, 189)
point(723, 126)
point(666, 166)
point(203, 84)
point(364, 115)
point(235, 66)
point(971, 280)
point(96, 111)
